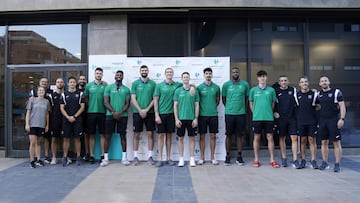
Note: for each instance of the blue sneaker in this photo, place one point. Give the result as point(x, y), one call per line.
point(324, 165)
point(302, 164)
point(337, 167)
point(314, 164)
point(284, 162)
point(296, 164)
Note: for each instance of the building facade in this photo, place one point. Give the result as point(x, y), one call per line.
point(296, 38)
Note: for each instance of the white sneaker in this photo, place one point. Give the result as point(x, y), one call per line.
point(104, 162)
point(181, 162)
point(200, 162)
point(53, 161)
point(125, 162)
point(215, 162)
point(192, 162)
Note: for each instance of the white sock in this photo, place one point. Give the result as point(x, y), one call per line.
point(150, 153)
point(106, 156)
point(135, 153)
point(124, 156)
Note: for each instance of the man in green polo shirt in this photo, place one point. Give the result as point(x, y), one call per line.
point(164, 113)
point(234, 96)
point(142, 91)
point(94, 93)
point(262, 101)
point(209, 93)
point(186, 112)
point(117, 102)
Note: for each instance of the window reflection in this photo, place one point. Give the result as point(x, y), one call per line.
point(43, 44)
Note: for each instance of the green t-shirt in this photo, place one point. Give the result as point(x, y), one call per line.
point(117, 97)
point(208, 95)
point(186, 103)
point(235, 94)
point(144, 93)
point(95, 92)
point(165, 92)
point(262, 103)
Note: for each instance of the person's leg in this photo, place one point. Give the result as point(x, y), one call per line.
point(77, 142)
point(282, 146)
point(54, 141)
point(160, 145)
point(312, 143)
point(294, 146)
point(325, 150)
point(256, 146)
point(66, 145)
point(212, 145)
point(271, 146)
point(337, 151)
point(168, 146)
point(32, 146)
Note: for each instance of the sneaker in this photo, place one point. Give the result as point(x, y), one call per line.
point(227, 161)
point(32, 164)
point(136, 161)
point(337, 167)
point(104, 162)
point(181, 162)
point(159, 164)
point(47, 160)
point(215, 162)
point(53, 161)
point(296, 164)
point(92, 160)
point(324, 165)
point(151, 161)
point(314, 164)
point(39, 163)
point(284, 162)
point(86, 157)
point(192, 162)
point(240, 161)
point(125, 162)
point(200, 162)
point(302, 164)
point(170, 162)
point(69, 161)
point(64, 161)
point(78, 161)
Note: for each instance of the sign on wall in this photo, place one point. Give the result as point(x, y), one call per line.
point(157, 65)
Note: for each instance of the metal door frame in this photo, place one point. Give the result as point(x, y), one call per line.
point(46, 69)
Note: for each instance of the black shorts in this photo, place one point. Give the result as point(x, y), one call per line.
point(307, 130)
point(208, 121)
point(56, 126)
point(84, 121)
point(186, 124)
point(96, 120)
point(37, 131)
point(73, 129)
point(138, 122)
point(234, 124)
point(259, 126)
point(328, 129)
point(120, 125)
point(286, 126)
point(167, 123)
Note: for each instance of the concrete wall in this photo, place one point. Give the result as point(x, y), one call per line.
point(108, 34)
point(53, 5)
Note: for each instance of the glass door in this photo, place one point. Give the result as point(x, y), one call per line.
point(21, 81)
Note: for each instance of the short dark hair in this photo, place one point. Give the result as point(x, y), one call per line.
point(143, 66)
point(185, 73)
point(283, 76)
point(208, 69)
point(304, 77)
point(261, 73)
point(99, 69)
point(120, 71)
point(71, 77)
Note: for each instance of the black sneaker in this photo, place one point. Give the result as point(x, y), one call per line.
point(86, 157)
point(337, 167)
point(296, 164)
point(240, 161)
point(64, 161)
point(284, 162)
point(302, 164)
point(92, 160)
point(32, 164)
point(314, 164)
point(227, 161)
point(47, 160)
point(324, 165)
point(39, 163)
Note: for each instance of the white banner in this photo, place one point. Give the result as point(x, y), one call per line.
point(157, 66)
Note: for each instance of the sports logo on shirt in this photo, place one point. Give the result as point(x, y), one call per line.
point(330, 95)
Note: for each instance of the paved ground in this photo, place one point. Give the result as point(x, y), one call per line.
point(207, 183)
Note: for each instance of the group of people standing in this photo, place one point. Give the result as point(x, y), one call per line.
point(183, 106)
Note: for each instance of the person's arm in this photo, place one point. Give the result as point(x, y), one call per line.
point(195, 121)
point(177, 121)
point(65, 114)
point(81, 109)
point(251, 105)
point(107, 104)
point(47, 121)
point(156, 109)
point(224, 100)
point(27, 120)
point(341, 121)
